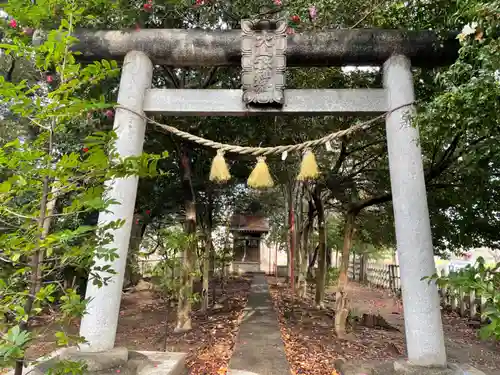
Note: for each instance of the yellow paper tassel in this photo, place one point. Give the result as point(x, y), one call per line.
point(260, 176)
point(219, 171)
point(308, 168)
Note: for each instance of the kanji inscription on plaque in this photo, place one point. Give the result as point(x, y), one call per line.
point(263, 61)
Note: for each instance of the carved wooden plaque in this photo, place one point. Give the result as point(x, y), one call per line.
point(263, 61)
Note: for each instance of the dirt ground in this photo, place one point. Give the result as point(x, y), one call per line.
point(310, 342)
point(312, 346)
point(147, 324)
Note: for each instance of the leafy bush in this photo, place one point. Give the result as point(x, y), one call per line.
point(50, 181)
point(332, 275)
point(485, 281)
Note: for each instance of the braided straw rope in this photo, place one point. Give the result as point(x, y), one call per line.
point(262, 151)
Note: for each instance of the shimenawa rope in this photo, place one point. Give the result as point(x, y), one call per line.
point(260, 176)
point(262, 151)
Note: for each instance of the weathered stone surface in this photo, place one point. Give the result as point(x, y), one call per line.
point(306, 102)
point(405, 368)
point(401, 367)
point(100, 322)
point(464, 369)
point(422, 310)
point(263, 61)
point(240, 372)
point(118, 359)
point(355, 367)
point(97, 361)
point(177, 47)
point(162, 363)
point(259, 347)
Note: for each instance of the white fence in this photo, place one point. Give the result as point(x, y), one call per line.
point(470, 304)
point(387, 276)
point(379, 275)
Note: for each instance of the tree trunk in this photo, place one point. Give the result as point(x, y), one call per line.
point(206, 273)
point(312, 262)
point(34, 281)
point(207, 255)
point(291, 237)
point(304, 252)
point(321, 275)
point(353, 266)
point(363, 277)
point(189, 252)
point(51, 204)
point(132, 271)
point(212, 275)
point(341, 301)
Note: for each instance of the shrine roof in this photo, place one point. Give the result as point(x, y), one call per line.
point(249, 223)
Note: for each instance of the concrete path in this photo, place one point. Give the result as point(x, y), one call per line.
point(259, 348)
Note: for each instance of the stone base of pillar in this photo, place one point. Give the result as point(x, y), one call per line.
point(117, 360)
point(405, 368)
point(401, 367)
point(98, 361)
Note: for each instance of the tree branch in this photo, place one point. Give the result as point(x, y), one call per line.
point(171, 76)
point(10, 72)
point(342, 156)
point(208, 81)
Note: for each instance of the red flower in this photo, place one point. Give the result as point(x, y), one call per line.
point(199, 2)
point(148, 7)
point(277, 3)
point(137, 221)
point(85, 149)
point(296, 19)
point(109, 114)
point(148, 212)
point(13, 23)
point(50, 79)
point(290, 31)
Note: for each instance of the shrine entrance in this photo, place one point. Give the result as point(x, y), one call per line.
point(263, 49)
point(248, 232)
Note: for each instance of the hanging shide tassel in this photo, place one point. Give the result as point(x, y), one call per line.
point(260, 177)
point(308, 168)
point(219, 172)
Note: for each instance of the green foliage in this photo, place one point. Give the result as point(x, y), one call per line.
point(167, 273)
point(373, 235)
point(46, 189)
point(332, 275)
point(485, 281)
point(456, 103)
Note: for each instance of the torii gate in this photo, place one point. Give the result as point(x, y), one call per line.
point(392, 49)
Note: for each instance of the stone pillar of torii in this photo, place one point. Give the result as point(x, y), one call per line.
point(394, 50)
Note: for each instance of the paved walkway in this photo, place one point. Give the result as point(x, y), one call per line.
point(259, 348)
